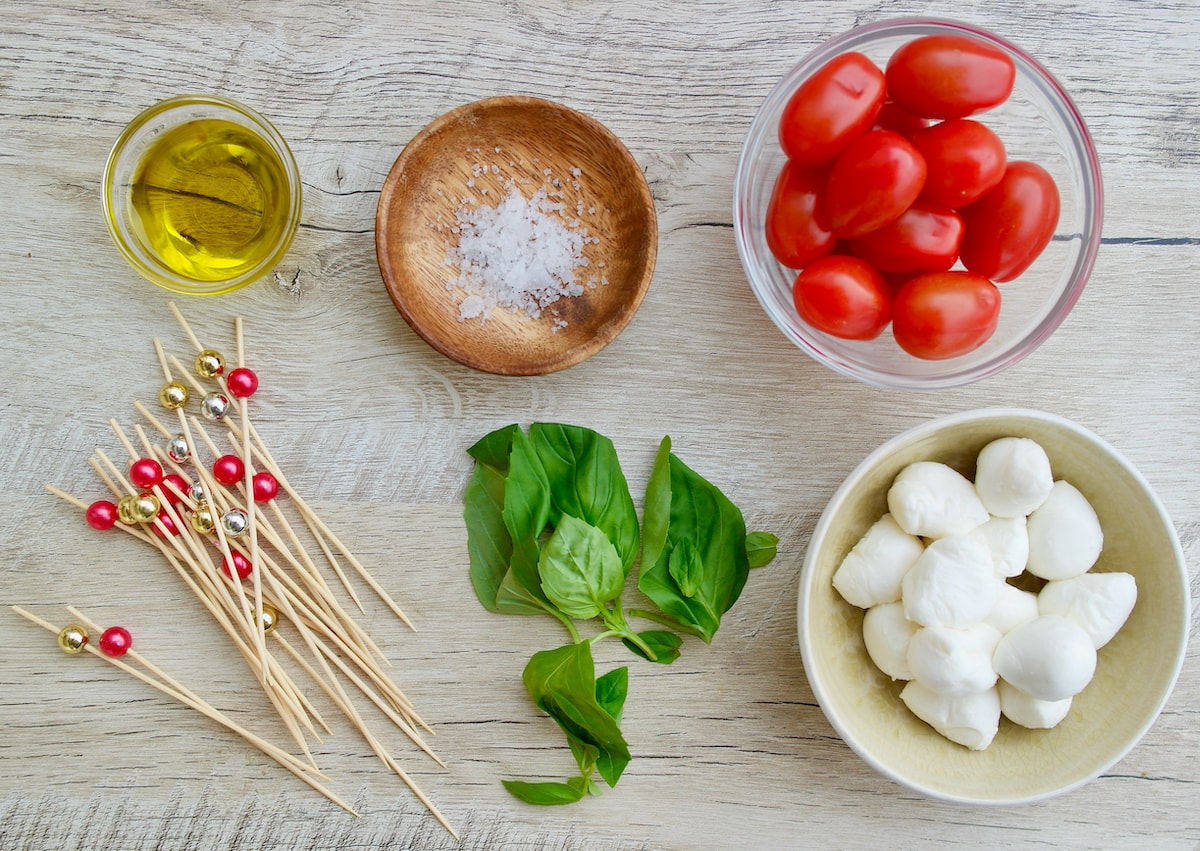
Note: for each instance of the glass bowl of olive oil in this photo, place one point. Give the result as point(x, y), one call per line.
point(201, 195)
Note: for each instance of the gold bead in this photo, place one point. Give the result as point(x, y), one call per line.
point(209, 364)
point(269, 619)
point(203, 519)
point(145, 507)
point(71, 639)
point(127, 510)
point(173, 395)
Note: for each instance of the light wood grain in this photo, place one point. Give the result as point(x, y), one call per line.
point(730, 748)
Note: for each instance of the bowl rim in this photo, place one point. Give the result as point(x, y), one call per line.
point(161, 276)
point(1089, 172)
point(804, 597)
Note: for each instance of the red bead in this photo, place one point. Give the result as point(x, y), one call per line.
point(145, 473)
point(240, 563)
point(102, 514)
point(241, 382)
point(266, 487)
point(228, 469)
point(115, 641)
point(181, 485)
point(168, 523)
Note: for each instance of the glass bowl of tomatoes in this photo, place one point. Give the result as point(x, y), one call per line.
point(918, 204)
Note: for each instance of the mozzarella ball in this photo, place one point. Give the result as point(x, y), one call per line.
point(970, 720)
point(1020, 708)
point(1008, 541)
point(1012, 476)
point(1013, 608)
point(1098, 602)
point(886, 633)
point(954, 662)
point(1064, 535)
point(952, 584)
point(870, 573)
point(933, 500)
point(1049, 657)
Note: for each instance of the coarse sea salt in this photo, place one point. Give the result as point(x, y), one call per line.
point(521, 254)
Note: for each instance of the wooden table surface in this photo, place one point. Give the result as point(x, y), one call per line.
point(730, 748)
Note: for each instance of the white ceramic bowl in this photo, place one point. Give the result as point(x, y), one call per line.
point(1039, 122)
point(1135, 671)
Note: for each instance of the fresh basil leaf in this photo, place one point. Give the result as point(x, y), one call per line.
point(586, 482)
point(512, 598)
point(665, 645)
point(494, 448)
point(685, 568)
point(580, 568)
point(611, 690)
point(489, 544)
point(547, 794)
point(761, 548)
point(562, 683)
point(526, 512)
point(704, 517)
point(610, 694)
point(656, 512)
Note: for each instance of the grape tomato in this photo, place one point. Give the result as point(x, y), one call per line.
point(949, 76)
point(874, 180)
point(844, 297)
point(831, 108)
point(925, 238)
point(1006, 229)
point(794, 235)
point(964, 160)
point(945, 314)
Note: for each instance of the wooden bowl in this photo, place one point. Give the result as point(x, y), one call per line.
point(480, 151)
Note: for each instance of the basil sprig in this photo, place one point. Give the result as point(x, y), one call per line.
point(552, 529)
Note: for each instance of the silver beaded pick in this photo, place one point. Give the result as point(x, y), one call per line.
point(196, 492)
point(214, 406)
point(178, 449)
point(234, 521)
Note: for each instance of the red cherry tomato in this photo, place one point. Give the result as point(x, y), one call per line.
point(875, 179)
point(898, 119)
point(924, 239)
point(945, 314)
point(1011, 224)
point(964, 160)
point(793, 234)
point(949, 76)
point(844, 297)
point(832, 107)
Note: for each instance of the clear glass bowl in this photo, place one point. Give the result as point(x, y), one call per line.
point(249, 151)
point(1039, 122)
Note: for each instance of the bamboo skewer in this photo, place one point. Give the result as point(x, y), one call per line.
point(170, 688)
point(283, 574)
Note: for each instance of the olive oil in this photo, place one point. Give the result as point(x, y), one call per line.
point(210, 199)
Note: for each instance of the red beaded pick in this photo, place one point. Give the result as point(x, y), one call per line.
point(168, 525)
point(266, 487)
point(101, 515)
point(228, 469)
point(115, 641)
point(181, 487)
point(240, 563)
point(241, 382)
point(145, 473)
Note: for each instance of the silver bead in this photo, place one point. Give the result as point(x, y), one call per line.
point(196, 493)
point(178, 449)
point(214, 406)
point(234, 522)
